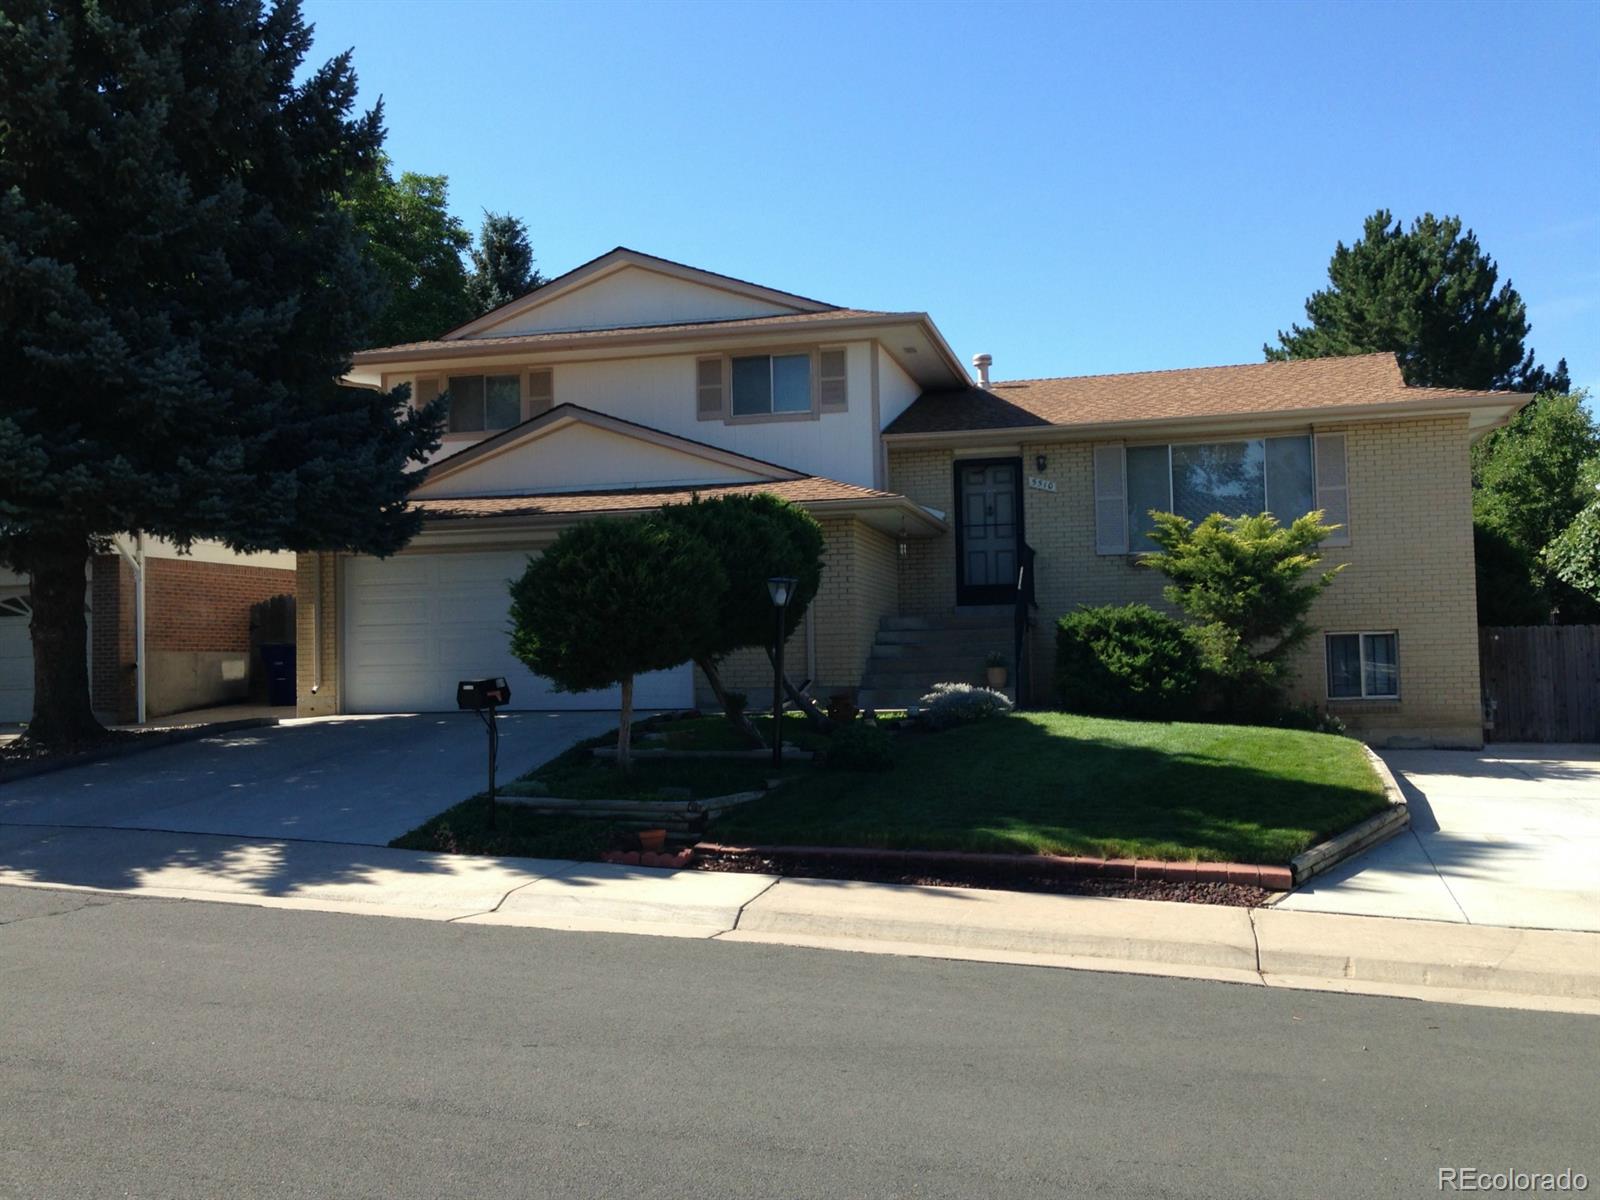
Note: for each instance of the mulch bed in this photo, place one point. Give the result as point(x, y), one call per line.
point(800, 867)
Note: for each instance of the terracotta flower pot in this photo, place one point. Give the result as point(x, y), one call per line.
point(652, 840)
point(997, 677)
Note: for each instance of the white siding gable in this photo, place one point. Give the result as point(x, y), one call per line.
point(578, 457)
point(629, 296)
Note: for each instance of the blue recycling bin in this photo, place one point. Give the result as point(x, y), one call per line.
point(277, 660)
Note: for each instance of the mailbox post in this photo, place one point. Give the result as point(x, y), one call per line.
point(482, 696)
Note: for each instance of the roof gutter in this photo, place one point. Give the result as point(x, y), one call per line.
point(1112, 430)
point(541, 343)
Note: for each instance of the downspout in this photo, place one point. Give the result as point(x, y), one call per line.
point(316, 629)
point(811, 644)
point(135, 559)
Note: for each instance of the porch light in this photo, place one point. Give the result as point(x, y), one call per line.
point(781, 589)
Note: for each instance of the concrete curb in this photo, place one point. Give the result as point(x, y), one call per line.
point(1375, 829)
point(1064, 866)
point(791, 753)
point(152, 740)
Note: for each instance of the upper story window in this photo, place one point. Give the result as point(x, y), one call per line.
point(484, 402)
point(488, 403)
point(771, 383)
point(791, 384)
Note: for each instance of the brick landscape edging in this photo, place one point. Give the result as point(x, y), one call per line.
point(1368, 833)
point(1272, 878)
point(151, 740)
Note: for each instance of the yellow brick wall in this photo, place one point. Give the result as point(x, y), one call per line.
point(928, 570)
point(1410, 568)
point(859, 585)
point(312, 611)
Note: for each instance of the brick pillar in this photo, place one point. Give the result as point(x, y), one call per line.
point(112, 643)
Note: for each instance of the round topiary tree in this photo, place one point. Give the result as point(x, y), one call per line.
point(755, 538)
point(614, 598)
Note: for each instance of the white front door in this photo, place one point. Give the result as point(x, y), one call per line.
point(415, 625)
point(16, 659)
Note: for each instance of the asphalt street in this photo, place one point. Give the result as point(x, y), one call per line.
point(155, 1048)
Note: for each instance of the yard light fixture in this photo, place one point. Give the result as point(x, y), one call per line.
point(781, 589)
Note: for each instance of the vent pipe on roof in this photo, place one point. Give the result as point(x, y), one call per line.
point(981, 362)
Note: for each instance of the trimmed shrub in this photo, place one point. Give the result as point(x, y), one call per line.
point(860, 746)
point(950, 704)
point(841, 709)
point(1126, 661)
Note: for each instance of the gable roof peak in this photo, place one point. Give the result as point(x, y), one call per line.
point(620, 257)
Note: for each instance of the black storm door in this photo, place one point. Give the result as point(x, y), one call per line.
point(988, 530)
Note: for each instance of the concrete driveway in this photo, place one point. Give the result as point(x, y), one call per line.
point(363, 780)
point(1509, 835)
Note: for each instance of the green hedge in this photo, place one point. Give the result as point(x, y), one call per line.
point(1126, 661)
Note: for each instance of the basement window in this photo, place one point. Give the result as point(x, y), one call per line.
point(1363, 666)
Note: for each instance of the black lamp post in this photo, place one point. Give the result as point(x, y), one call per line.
point(781, 589)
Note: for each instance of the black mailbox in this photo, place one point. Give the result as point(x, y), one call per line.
point(476, 694)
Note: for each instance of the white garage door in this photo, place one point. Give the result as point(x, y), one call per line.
point(417, 624)
point(16, 660)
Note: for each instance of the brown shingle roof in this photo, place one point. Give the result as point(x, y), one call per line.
point(1199, 392)
point(810, 490)
point(465, 345)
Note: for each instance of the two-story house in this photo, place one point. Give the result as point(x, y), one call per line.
point(633, 382)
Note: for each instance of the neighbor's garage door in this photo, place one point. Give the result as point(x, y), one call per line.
point(16, 659)
point(416, 624)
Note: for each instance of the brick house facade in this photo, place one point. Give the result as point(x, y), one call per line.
point(633, 382)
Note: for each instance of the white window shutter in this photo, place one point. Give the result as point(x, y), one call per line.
point(833, 380)
point(541, 390)
point(1333, 486)
point(709, 389)
point(1110, 500)
point(424, 390)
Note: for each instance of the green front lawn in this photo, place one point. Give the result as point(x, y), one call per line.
point(1054, 783)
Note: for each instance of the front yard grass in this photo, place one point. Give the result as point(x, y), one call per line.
point(1031, 783)
point(576, 774)
point(1054, 783)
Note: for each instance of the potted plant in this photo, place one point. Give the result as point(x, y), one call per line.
point(994, 668)
point(652, 841)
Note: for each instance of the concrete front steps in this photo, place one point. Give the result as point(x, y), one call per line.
point(911, 654)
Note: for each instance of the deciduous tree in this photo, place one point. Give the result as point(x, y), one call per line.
point(417, 247)
point(612, 599)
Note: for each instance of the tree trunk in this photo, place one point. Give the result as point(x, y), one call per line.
point(815, 717)
point(739, 720)
point(62, 715)
point(625, 728)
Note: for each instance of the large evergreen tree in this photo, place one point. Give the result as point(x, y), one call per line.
point(417, 246)
point(502, 264)
point(179, 290)
point(1429, 294)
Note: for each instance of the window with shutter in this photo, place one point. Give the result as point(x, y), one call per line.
point(1333, 486)
point(541, 390)
point(709, 389)
point(832, 378)
point(1110, 500)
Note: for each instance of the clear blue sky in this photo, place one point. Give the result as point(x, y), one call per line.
point(1072, 188)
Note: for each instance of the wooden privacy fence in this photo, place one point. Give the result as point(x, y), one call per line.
point(1543, 682)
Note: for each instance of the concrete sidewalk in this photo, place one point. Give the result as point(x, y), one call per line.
point(1554, 970)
